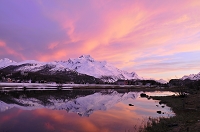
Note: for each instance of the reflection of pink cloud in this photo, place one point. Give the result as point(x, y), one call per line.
point(9, 117)
point(96, 122)
point(5, 118)
point(116, 118)
point(49, 126)
point(64, 118)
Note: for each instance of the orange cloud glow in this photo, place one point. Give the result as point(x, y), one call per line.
point(116, 31)
point(9, 50)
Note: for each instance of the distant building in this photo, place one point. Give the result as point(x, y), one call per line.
point(51, 82)
point(138, 83)
point(9, 80)
point(42, 81)
point(69, 82)
point(122, 82)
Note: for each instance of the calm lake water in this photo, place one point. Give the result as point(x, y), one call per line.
point(78, 111)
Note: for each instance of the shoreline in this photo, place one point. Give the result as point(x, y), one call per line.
point(41, 86)
point(187, 114)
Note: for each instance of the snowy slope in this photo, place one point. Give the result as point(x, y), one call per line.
point(32, 65)
point(192, 77)
point(84, 106)
point(85, 64)
point(100, 69)
point(161, 81)
point(6, 62)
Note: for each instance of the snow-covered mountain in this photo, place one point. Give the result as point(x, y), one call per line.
point(85, 64)
point(6, 62)
point(84, 106)
point(192, 76)
point(161, 81)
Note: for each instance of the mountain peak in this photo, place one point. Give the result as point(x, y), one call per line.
point(162, 81)
point(6, 60)
point(87, 57)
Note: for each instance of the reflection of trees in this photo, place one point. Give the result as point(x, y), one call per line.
point(43, 95)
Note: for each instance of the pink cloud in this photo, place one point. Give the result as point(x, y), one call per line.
point(9, 50)
point(53, 45)
point(116, 31)
point(134, 23)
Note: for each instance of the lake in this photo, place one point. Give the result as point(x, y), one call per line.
point(78, 110)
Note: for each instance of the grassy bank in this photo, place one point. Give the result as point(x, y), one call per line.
point(187, 117)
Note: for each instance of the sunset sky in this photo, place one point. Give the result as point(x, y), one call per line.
point(154, 38)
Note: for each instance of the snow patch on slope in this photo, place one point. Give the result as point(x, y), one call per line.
point(162, 81)
point(85, 64)
point(6, 62)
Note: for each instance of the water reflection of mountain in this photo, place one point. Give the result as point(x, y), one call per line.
point(82, 102)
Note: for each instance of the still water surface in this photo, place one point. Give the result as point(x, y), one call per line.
point(78, 111)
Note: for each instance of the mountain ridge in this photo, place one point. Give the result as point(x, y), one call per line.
point(84, 64)
point(192, 77)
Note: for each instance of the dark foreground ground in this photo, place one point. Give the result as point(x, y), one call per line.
point(187, 117)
